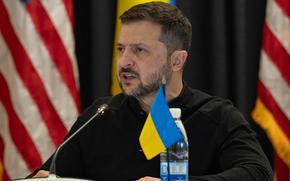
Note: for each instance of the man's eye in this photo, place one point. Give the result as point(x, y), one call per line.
point(139, 50)
point(120, 49)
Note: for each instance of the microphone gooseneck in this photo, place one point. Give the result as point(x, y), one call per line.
point(52, 170)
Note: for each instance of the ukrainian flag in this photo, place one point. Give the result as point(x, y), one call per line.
point(159, 131)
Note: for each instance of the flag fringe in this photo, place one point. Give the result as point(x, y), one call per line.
point(265, 119)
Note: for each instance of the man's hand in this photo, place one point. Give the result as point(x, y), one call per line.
point(149, 179)
point(41, 173)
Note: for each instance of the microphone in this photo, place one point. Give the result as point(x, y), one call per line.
point(52, 170)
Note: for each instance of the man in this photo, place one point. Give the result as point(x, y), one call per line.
point(153, 45)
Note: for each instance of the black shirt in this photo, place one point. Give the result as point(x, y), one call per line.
point(222, 147)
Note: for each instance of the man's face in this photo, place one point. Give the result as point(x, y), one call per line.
point(142, 59)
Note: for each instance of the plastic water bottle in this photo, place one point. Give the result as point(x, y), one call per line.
point(176, 156)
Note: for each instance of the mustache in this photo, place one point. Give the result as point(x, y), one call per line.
point(128, 70)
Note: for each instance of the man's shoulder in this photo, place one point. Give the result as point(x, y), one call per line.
point(205, 102)
point(213, 107)
point(113, 102)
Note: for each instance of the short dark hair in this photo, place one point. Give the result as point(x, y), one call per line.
point(176, 28)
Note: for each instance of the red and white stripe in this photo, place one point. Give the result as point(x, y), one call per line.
point(274, 80)
point(39, 98)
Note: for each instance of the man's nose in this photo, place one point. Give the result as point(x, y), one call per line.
point(126, 59)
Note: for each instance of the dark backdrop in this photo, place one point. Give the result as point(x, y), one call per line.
point(223, 61)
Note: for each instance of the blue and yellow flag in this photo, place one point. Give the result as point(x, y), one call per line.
point(159, 131)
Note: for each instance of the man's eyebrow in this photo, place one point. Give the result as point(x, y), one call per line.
point(139, 44)
point(133, 44)
point(120, 44)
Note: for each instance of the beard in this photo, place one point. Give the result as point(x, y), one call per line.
point(153, 81)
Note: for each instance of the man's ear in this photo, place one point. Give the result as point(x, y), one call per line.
point(178, 59)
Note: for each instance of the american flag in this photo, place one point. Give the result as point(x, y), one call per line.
point(272, 111)
point(39, 97)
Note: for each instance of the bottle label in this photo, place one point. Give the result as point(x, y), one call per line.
point(178, 171)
